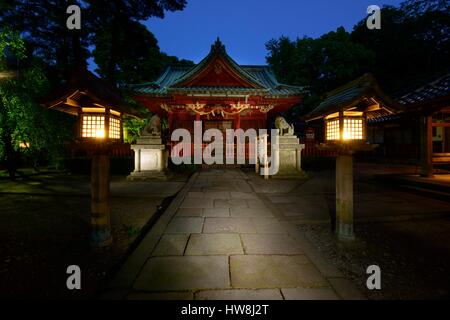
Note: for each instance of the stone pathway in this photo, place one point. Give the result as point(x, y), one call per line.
point(221, 240)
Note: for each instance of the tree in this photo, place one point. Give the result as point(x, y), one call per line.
point(106, 24)
point(125, 50)
point(320, 64)
point(25, 127)
point(413, 42)
point(43, 26)
point(138, 56)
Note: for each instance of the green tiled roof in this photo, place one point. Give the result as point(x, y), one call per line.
point(351, 95)
point(262, 78)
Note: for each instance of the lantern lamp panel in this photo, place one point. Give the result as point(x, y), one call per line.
point(93, 126)
point(114, 128)
point(333, 130)
point(353, 129)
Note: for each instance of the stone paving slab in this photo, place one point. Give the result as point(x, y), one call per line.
point(309, 294)
point(214, 244)
point(224, 241)
point(216, 194)
point(256, 204)
point(231, 203)
point(189, 212)
point(209, 194)
point(195, 203)
point(250, 212)
point(184, 273)
point(242, 195)
point(269, 244)
point(185, 225)
point(268, 225)
point(229, 225)
point(171, 245)
point(239, 294)
point(216, 212)
point(274, 271)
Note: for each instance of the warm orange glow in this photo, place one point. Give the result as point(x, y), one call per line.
point(93, 126)
point(114, 128)
point(114, 112)
point(333, 130)
point(94, 110)
point(353, 129)
point(24, 145)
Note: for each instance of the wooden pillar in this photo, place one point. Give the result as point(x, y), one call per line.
point(100, 209)
point(237, 121)
point(341, 125)
point(170, 122)
point(344, 197)
point(426, 146)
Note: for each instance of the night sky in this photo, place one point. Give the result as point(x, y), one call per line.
point(244, 26)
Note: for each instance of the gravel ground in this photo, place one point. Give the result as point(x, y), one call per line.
point(414, 257)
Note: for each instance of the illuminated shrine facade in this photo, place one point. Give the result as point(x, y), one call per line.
point(219, 92)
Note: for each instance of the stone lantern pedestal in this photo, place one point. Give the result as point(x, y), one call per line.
point(344, 184)
point(290, 157)
point(150, 159)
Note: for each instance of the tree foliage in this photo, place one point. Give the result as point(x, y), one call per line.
point(43, 26)
point(320, 64)
point(137, 57)
point(122, 46)
point(21, 117)
point(413, 43)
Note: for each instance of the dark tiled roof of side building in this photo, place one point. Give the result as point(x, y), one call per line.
point(436, 88)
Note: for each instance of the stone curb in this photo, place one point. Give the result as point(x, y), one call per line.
point(129, 271)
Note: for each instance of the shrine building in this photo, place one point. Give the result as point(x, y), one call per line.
point(219, 92)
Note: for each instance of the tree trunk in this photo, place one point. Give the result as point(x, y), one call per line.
point(9, 153)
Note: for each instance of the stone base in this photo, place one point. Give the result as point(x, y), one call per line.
point(149, 176)
point(290, 158)
point(150, 159)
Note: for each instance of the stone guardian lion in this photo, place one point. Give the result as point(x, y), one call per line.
point(284, 128)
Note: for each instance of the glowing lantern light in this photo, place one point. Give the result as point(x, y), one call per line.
point(345, 126)
point(100, 123)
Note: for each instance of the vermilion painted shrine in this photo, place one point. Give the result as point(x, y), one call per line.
point(219, 92)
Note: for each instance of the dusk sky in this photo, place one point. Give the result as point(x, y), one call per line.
point(244, 26)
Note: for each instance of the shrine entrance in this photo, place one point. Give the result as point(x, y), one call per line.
point(221, 125)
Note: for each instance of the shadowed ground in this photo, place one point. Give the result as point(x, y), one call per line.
point(44, 227)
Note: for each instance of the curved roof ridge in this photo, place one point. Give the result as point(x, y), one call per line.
point(217, 49)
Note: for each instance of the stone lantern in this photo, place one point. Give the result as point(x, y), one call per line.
point(99, 109)
point(345, 111)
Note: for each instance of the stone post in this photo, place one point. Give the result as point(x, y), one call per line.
point(100, 208)
point(426, 146)
point(344, 197)
point(256, 156)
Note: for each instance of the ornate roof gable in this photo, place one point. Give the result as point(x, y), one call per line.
point(218, 69)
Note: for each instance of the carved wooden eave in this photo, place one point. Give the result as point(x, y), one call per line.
point(216, 109)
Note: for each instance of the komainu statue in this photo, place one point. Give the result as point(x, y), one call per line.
point(153, 127)
point(283, 127)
